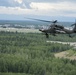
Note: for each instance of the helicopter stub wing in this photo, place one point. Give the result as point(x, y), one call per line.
point(60, 31)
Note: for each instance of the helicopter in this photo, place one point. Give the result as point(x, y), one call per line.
point(55, 28)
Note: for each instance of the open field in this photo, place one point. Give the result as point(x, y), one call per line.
point(70, 54)
point(20, 30)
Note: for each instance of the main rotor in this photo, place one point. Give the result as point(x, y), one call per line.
point(55, 21)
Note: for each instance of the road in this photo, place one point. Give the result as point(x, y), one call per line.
point(70, 43)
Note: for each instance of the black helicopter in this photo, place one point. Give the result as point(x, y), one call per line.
point(56, 28)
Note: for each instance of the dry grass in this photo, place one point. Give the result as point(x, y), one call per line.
point(70, 54)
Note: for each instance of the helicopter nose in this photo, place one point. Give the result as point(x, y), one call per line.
point(41, 30)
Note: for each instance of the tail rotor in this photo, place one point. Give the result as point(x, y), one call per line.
point(74, 29)
point(74, 23)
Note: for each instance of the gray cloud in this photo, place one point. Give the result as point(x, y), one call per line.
point(12, 3)
point(49, 0)
point(27, 3)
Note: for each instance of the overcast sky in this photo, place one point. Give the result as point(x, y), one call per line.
point(43, 9)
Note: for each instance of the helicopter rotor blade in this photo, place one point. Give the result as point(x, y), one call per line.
point(74, 23)
point(43, 20)
point(75, 20)
point(39, 20)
